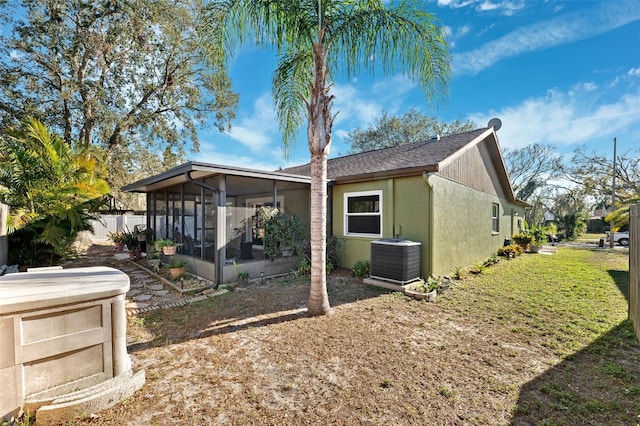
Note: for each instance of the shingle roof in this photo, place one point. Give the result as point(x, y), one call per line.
point(417, 154)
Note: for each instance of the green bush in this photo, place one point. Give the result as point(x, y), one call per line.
point(304, 267)
point(283, 231)
point(510, 251)
point(361, 268)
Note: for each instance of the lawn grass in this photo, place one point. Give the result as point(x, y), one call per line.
point(570, 298)
point(537, 340)
point(575, 304)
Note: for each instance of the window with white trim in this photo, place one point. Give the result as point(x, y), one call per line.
point(495, 217)
point(363, 213)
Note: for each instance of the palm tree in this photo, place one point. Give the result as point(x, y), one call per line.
point(620, 216)
point(52, 188)
point(316, 40)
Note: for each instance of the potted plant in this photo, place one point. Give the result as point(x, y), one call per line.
point(423, 290)
point(523, 239)
point(166, 246)
point(283, 235)
point(133, 245)
point(259, 220)
point(539, 237)
point(118, 239)
point(176, 269)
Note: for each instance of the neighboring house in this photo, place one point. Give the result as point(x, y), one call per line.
point(451, 194)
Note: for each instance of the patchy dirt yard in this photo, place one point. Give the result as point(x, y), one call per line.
point(253, 357)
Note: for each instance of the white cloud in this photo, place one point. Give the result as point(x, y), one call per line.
point(453, 35)
point(564, 118)
point(505, 7)
point(362, 104)
point(209, 154)
point(556, 31)
point(257, 130)
point(634, 72)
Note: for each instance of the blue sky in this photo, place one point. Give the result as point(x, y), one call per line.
point(565, 73)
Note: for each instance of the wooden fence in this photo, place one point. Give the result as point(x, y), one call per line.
point(634, 267)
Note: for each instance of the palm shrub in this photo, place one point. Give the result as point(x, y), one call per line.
point(53, 191)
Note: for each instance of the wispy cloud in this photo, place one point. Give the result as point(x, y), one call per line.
point(210, 154)
point(362, 103)
point(565, 118)
point(256, 131)
point(454, 34)
point(563, 29)
point(505, 7)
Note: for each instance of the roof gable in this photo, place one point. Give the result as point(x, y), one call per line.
point(432, 155)
point(423, 154)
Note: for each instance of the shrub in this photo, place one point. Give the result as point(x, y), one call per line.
point(523, 239)
point(457, 272)
point(283, 231)
point(510, 251)
point(304, 267)
point(361, 268)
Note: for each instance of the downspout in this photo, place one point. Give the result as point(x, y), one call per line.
point(220, 251)
point(330, 186)
point(427, 178)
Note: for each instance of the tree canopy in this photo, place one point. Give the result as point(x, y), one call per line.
point(124, 76)
point(412, 126)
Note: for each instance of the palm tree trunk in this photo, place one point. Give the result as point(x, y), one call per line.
point(318, 297)
point(319, 137)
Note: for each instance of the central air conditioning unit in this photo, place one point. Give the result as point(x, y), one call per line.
point(395, 260)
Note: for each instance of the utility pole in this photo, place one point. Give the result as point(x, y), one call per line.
point(613, 196)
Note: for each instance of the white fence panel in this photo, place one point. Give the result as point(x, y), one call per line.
point(113, 223)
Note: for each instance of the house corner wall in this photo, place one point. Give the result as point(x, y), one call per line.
point(462, 221)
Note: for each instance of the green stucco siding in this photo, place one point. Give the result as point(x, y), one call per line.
point(462, 218)
point(405, 206)
point(453, 222)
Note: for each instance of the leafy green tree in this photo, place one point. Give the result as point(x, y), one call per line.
point(412, 126)
point(51, 189)
point(126, 76)
point(316, 40)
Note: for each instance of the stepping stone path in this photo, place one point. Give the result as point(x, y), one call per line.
point(143, 297)
point(147, 291)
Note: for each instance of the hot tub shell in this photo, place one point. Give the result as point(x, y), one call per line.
point(61, 331)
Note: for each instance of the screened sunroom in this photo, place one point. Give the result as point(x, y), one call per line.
point(211, 210)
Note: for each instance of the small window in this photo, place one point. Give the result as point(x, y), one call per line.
point(363, 213)
point(495, 217)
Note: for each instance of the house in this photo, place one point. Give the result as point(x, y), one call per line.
point(451, 194)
